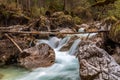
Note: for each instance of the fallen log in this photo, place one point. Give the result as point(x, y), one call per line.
point(55, 33)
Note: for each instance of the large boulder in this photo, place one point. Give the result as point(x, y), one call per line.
point(38, 56)
point(96, 63)
point(114, 33)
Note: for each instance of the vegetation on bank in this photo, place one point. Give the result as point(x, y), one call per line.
point(80, 10)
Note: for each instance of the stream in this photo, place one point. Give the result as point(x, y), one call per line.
point(66, 65)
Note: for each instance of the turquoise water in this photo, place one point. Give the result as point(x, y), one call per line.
point(66, 65)
point(12, 72)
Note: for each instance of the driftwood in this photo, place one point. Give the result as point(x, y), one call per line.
point(14, 42)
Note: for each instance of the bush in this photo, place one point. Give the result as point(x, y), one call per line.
point(77, 20)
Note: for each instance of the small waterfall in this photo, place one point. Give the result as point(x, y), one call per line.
point(63, 42)
point(66, 66)
point(74, 47)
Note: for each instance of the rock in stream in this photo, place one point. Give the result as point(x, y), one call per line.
point(38, 56)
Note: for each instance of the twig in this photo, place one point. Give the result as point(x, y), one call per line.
point(14, 42)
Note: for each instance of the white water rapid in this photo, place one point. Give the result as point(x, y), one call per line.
point(66, 65)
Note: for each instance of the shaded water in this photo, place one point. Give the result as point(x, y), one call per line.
point(11, 72)
point(66, 66)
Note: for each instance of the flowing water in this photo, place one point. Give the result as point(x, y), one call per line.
point(66, 65)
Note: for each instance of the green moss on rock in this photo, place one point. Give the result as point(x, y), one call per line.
point(59, 19)
point(77, 20)
point(82, 13)
point(114, 33)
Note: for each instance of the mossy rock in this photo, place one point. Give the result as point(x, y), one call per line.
point(58, 14)
point(43, 24)
point(59, 19)
point(82, 13)
point(114, 33)
point(77, 20)
point(110, 20)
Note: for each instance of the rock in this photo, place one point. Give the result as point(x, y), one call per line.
point(96, 63)
point(57, 14)
point(60, 20)
point(67, 46)
point(38, 56)
point(77, 20)
point(9, 17)
point(41, 24)
point(8, 51)
point(82, 13)
point(114, 33)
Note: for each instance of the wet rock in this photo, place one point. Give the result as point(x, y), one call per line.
point(116, 57)
point(114, 33)
point(38, 56)
point(9, 52)
point(96, 63)
point(68, 45)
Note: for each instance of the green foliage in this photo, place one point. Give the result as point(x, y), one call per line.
point(116, 11)
point(77, 20)
point(114, 33)
point(55, 5)
point(36, 11)
point(82, 13)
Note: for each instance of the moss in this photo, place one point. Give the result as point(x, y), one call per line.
point(110, 20)
point(116, 10)
point(58, 14)
point(82, 13)
point(114, 33)
point(77, 20)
